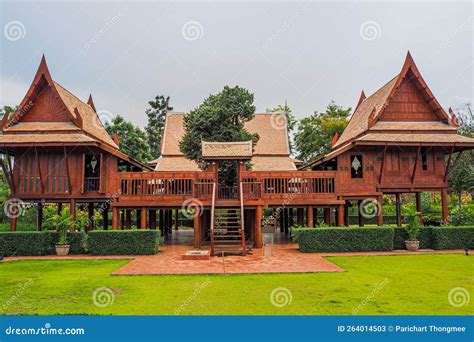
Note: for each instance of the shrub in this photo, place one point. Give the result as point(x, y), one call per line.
point(453, 237)
point(124, 242)
point(344, 239)
point(413, 226)
point(39, 243)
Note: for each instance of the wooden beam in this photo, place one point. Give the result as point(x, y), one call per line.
point(90, 212)
point(143, 223)
point(258, 227)
point(310, 216)
point(66, 161)
point(340, 215)
point(416, 164)
point(444, 206)
point(13, 224)
point(38, 166)
point(197, 227)
point(72, 213)
point(115, 218)
point(382, 165)
point(380, 211)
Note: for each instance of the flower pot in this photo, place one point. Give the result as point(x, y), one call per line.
point(62, 250)
point(412, 245)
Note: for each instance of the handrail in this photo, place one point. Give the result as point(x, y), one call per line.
point(244, 249)
point(212, 216)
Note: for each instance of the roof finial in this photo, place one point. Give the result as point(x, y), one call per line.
point(361, 99)
point(90, 102)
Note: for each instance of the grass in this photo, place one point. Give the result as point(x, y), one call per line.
point(390, 285)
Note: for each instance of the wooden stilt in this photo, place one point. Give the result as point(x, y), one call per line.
point(444, 206)
point(176, 219)
point(340, 215)
point(359, 211)
point(398, 209)
point(327, 216)
point(139, 218)
point(346, 214)
point(291, 217)
point(419, 207)
point(72, 213)
point(13, 224)
point(310, 217)
point(39, 216)
point(115, 218)
point(380, 211)
point(258, 227)
point(128, 219)
point(282, 220)
point(60, 208)
point(197, 228)
point(152, 218)
point(143, 224)
point(105, 216)
point(90, 222)
point(161, 222)
point(122, 219)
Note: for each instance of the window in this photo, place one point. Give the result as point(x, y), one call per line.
point(424, 159)
point(356, 167)
point(91, 172)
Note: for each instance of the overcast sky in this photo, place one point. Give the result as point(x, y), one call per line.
point(308, 53)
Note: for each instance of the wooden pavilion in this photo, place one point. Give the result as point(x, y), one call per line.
point(399, 140)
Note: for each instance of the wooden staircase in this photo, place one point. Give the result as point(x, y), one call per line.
point(227, 228)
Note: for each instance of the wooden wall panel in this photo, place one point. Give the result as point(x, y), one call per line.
point(46, 108)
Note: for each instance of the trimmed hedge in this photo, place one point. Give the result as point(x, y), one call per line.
point(453, 237)
point(39, 243)
point(124, 242)
point(344, 239)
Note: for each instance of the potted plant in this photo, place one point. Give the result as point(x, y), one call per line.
point(413, 228)
point(62, 224)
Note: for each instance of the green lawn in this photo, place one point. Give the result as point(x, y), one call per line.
point(390, 285)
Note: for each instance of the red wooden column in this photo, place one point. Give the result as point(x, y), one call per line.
point(143, 222)
point(361, 218)
point(444, 206)
point(310, 216)
point(398, 209)
point(176, 219)
point(197, 228)
point(380, 211)
point(327, 216)
point(115, 218)
point(418, 206)
point(13, 221)
point(72, 213)
point(258, 227)
point(340, 215)
point(346, 214)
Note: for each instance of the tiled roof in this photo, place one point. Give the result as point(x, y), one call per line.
point(45, 138)
point(273, 133)
point(42, 127)
point(176, 163)
point(240, 149)
point(411, 126)
point(272, 163)
point(416, 138)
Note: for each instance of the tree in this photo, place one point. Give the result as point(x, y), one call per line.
point(133, 141)
point(461, 178)
point(290, 119)
point(7, 109)
point(221, 118)
point(159, 107)
point(314, 134)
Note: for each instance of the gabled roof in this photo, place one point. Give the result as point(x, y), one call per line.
point(227, 150)
point(62, 119)
point(270, 153)
point(369, 110)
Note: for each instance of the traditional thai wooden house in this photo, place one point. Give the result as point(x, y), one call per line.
point(398, 140)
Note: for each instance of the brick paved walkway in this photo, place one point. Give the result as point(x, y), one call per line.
point(285, 259)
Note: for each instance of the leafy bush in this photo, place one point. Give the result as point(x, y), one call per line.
point(413, 226)
point(39, 243)
point(453, 237)
point(124, 242)
point(344, 239)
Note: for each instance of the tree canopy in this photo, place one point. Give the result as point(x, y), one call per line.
point(220, 117)
point(133, 140)
point(314, 134)
point(159, 107)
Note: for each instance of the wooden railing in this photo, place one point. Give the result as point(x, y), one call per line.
point(166, 184)
point(213, 208)
point(91, 184)
point(267, 185)
point(227, 192)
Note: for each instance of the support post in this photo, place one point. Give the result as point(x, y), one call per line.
point(60, 208)
point(398, 209)
point(197, 227)
point(161, 222)
point(143, 218)
point(327, 216)
point(105, 216)
point(361, 218)
point(13, 224)
point(152, 218)
point(380, 211)
point(340, 215)
point(128, 219)
point(300, 216)
point(39, 216)
point(258, 227)
point(310, 216)
point(444, 206)
point(90, 221)
point(419, 208)
point(176, 219)
point(72, 213)
point(139, 218)
point(346, 214)
point(291, 217)
point(115, 218)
